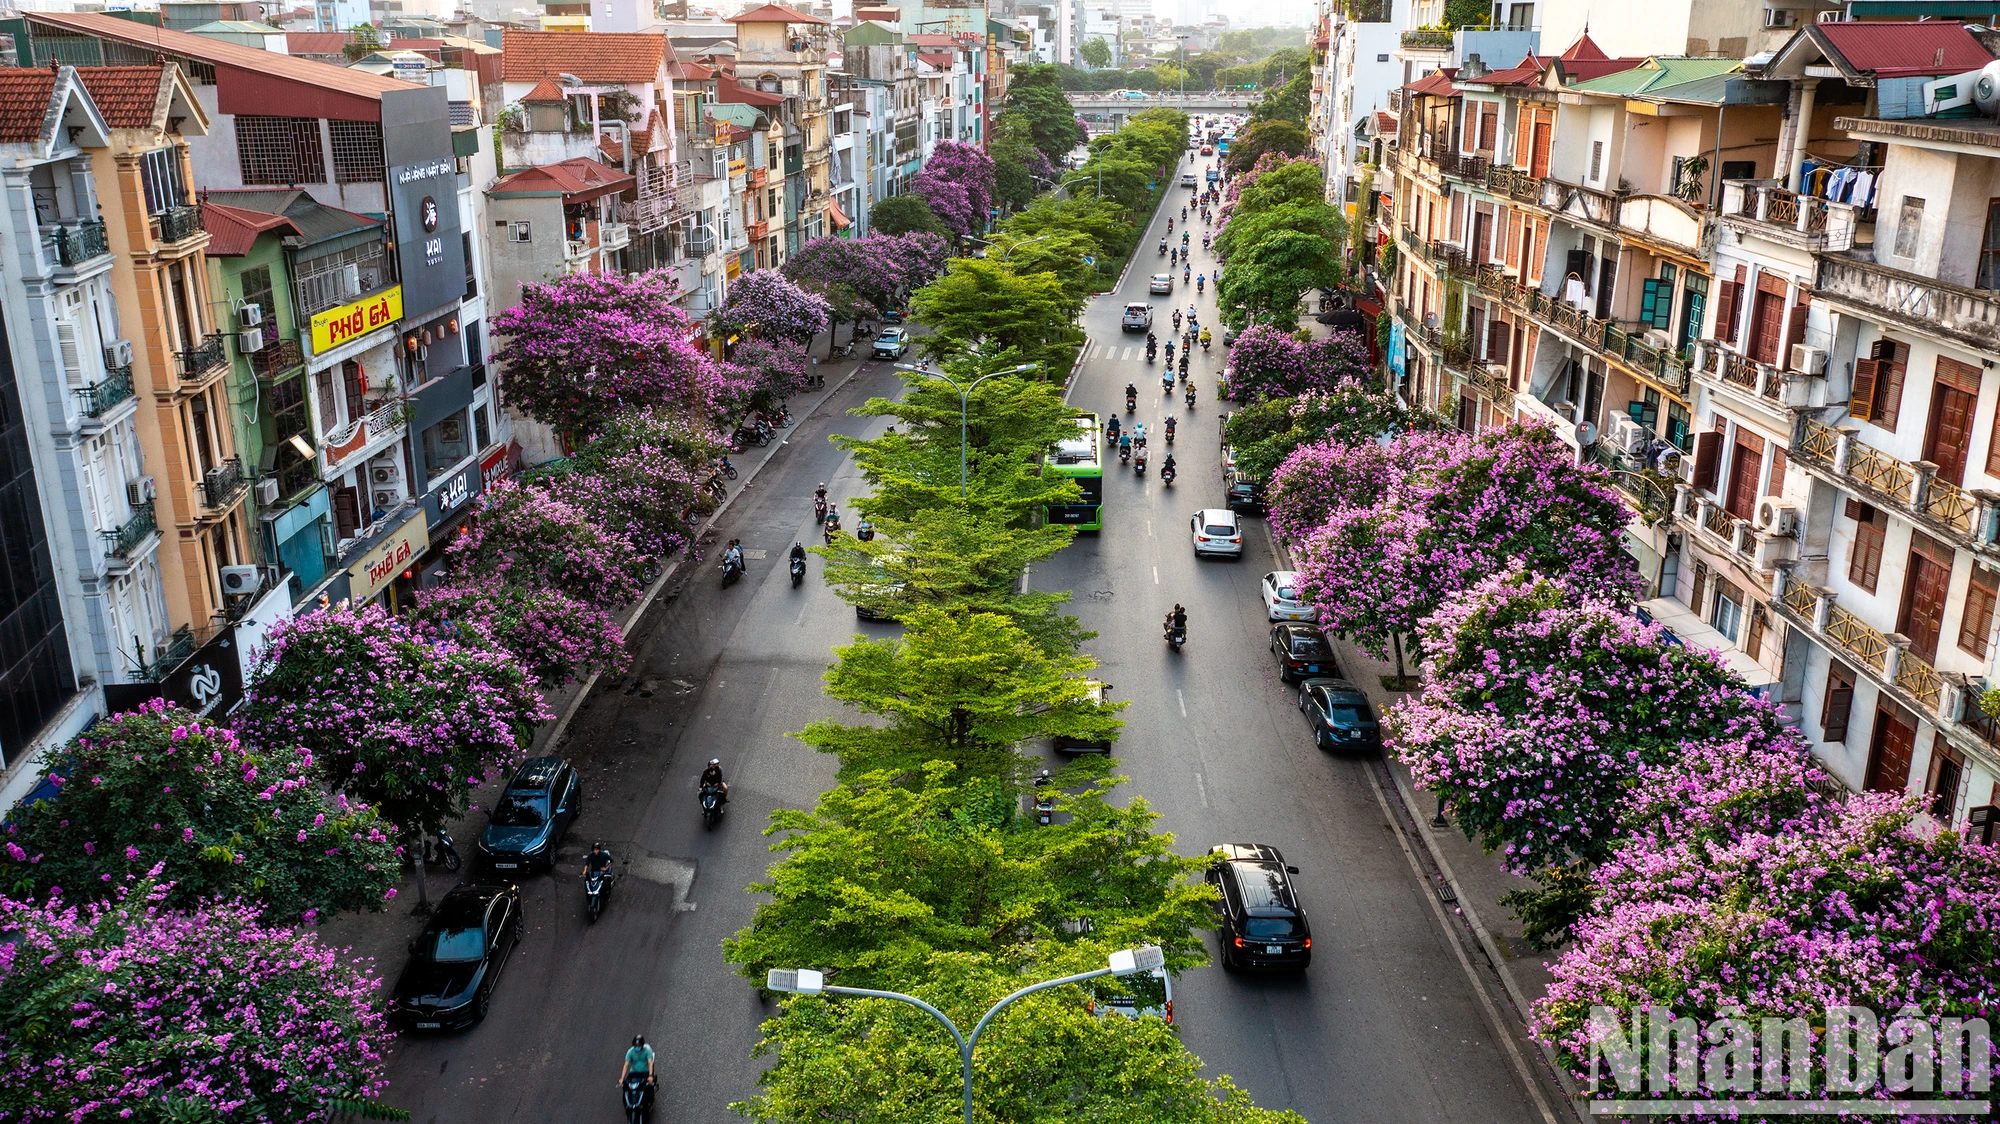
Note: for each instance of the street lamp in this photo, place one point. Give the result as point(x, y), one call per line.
point(806, 981)
point(1010, 249)
point(964, 396)
point(1086, 175)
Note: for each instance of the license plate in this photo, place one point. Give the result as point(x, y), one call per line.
point(429, 1026)
point(1312, 668)
point(1273, 949)
point(505, 866)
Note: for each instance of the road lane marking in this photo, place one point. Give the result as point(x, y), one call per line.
point(1156, 575)
point(1149, 528)
point(1500, 1027)
point(1202, 789)
point(1183, 702)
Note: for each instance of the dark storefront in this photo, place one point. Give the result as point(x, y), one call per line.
point(36, 676)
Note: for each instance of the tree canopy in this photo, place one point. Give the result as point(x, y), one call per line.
point(905, 214)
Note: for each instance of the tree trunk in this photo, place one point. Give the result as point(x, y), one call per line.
point(832, 335)
point(1396, 641)
point(423, 906)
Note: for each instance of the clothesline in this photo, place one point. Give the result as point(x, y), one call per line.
point(1840, 183)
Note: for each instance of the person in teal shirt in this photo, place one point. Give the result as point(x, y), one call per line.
point(638, 1059)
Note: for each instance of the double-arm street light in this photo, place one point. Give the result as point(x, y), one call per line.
point(964, 396)
point(806, 981)
point(1010, 249)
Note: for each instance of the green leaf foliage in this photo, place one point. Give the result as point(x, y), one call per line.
point(905, 214)
point(982, 303)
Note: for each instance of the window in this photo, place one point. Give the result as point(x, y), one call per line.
point(1728, 615)
point(279, 150)
point(471, 271)
point(445, 444)
point(1838, 705)
point(1908, 226)
point(1975, 624)
point(1947, 770)
point(1596, 160)
point(160, 177)
point(1989, 250)
point(480, 436)
point(1871, 529)
point(1926, 583)
point(519, 232)
point(357, 151)
point(1889, 751)
point(1878, 385)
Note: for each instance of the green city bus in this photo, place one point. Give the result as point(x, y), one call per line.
point(1078, 459)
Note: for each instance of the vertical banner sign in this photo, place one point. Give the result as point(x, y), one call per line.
point(423, 194)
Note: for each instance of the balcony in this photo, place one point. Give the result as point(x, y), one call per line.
point(1887, 659)
point(614, 236)
point(178, 224)
point(1912, 489)
point(576, 249)
point(99, 397)
point(1658, 365)
point(169, 656)
point(758, 231)
point(1514, 183)
point(222, 485)
point(1427, 39)
point(277, 358)
point(1938, 308)
point(203, 359)
point(122, 543)
point(759, 177)
point(1765, 208)
point(1460, 166)
point(1600, 207)
point(1719, 362)
point(77, 244)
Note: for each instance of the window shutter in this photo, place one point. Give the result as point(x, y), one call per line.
point(1649, 303)
point(1725, 312)
point(1707, 455)
point(1861, 403)
point(72, 352)
point(1578, 263)
point(1839, 702)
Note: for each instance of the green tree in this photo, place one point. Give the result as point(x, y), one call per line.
point(1035, 92)
point(1467, 13)
point(981, 303)
point(1096, 52)
point(1012, 145)
point(1264, 284)
point(1102, 221)
point(1282, 137)
point(1169, 75)
point(905, 214)
point(1062, 254)
point(958, 688)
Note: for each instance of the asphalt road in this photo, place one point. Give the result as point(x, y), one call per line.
point(1387, 1026)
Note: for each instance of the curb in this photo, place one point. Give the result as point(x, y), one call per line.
point(554, 733)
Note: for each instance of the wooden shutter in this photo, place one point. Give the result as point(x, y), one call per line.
point(1961, 376)
point(1777, 485)
point(1975, 624)
point(1727, 310)
point(71, 352)
point(1744, 469)
point(1864, 565)
point(1766, 322)
point(1795, 332)
point(1861, 403)
point(1707, 456)
point(1649, 300)
point(1889, 752)
point(1925, 589)
point(1489, 126)
point(1948, 436)
point(1538, 162)
point(1839, 703)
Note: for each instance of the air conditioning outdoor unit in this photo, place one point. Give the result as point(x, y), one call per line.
point(1628, 436)
point(350, 280)
point(1656, 338)
point(385, 499)
point(118, 353)
point(139, 490)
point(249, 315)
point(1684, 469)
point(240, 580)
point(1775, 516)
point(383, 472)
point(1779, 17)
point(1807, 358)
point(250, 341)
point(267, 491)
point(1497, 370)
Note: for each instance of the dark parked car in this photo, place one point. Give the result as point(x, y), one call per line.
point(1340, 715)
point(1246, 492)
point(1262, 924)
point(453, 965)
point(530, 817)
point(1302, 651)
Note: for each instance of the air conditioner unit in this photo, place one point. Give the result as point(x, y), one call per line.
point(250, 341)
point(1497, 370)
point(139, 490)
point(383, 472)
point(249, 315)
point(1629, 436)
point(1807, 358)
point(385, 499)
point(1779, 17)
point(1775, 516)
point(240, 580)
point(1656, 338)
point(1684, 469)
point(267, 491)
point(118, 353)
point(350, 280)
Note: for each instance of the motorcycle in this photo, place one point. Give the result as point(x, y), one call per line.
point(442, 853)
point(1163, 245)
point(1170, 352)
point(731, 570)
point(1167, 476)
point(1184, 363)
point(865, 531)
point(1152, 352)
point(1124, 453)
point(1200, 283)
point(638, 1099)
point(1139, 463)
point(1045, 799)
point(819, 509)
point(1131, 402)
point(1204, 344)
point(1176, 638)
point(595, 884)
point(711, 805)
point(1167, 381)
point(832, 526)
point(728, 469)
point(1170, 431)
point(798, 571)
point(715, 488)
point(1190, 396)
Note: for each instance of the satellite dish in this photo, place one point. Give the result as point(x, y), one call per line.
point(1586, 434)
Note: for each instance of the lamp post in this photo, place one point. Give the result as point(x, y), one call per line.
point(1010, 249)
point(1086, 175)
point(964, 396)
point(806, 981)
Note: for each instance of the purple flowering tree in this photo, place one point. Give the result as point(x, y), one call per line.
point(843, 272)
point(640, 479)
point(555, 637)
point(775, 369)
point(408, 722)
point(957, 184)
point(125, 1009)
point(1541, 707)
point(1267, 363)
point(531, 536)
point(921, 257)
point(581, 348)
point(1454, 511)
point(1859, 904)
point(159, 789)
point(765, 303)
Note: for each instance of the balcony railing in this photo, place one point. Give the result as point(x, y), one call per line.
point(758, 231)
point(178, 224)
point(1720, 523)
point(1854, 634)
point(169, 657)
point(1461, 166)
point(576, 249)
point(1971, 316)
point(614, 236)
point(1662, 366)
point(202, 359)
point(1427, 39)
point(1878, 470)
point(222, 484)
point(1514, 182)
point(277, 357)
point(1950, 504)
point(100, 396)
point(120, 543)
point(80, 243)
point(1800, 219)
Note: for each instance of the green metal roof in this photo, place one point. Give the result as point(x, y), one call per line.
point(1657, 77)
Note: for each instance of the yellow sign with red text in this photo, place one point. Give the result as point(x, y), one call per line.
point(337, 326)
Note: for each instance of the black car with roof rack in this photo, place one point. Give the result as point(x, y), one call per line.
point(1262, 923)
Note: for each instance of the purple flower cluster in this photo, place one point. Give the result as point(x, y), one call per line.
point(1267, 363)
point(114, 1008)
point(555, 637)
point(532, 536)
point(640, 479)
point(957, 184)
point(766, 303)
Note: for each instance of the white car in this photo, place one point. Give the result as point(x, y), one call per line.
point(1162, 283)
point(1284, 600)
point(1136, 996)
point(1216, 531)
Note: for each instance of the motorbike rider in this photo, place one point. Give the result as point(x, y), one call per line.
point(1187, 273)
point(1163, 245)
point(734, 553)
point(1125, 445)
point(1204, 339)
point(1131, 390)
point(1177, 621)
point(1200, 281)
point(798, 552)
point(1167, 465)
point(597, 861)
point(1170, 351)
point(713, 776)
point(638, 1059)
point(1170, 428)
point(1139, 435)
point(1111, 428)
point(1177, 319)
point(1183, 216)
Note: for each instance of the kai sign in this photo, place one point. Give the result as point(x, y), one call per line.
point(337, 326)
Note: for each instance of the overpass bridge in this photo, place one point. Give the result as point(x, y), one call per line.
point(1102, 111)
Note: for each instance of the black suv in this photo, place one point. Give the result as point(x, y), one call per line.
point(1262, 924)
point(455, 962)
point(531, 816)
point(1246, 493)
point(1340, 715)
point(1302, 651)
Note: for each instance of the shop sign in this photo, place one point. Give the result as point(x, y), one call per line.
point(336, 326)
point(386, 559)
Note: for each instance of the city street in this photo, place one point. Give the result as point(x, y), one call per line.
point(1387, 1026)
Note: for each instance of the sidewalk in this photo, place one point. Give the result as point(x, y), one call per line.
point(382, 936)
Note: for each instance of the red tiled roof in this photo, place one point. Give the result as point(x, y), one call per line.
point(232, 231)
point(930, 40)
point(235, 56)
point(1385, 123)
point(943, 60)
point(774, 13)
point(594, 56)
point(315, 42)
point(1437, 82)
point(579, 179)
point(736, 93)
point(544, 92)
point(1584, 48)
point(1528, 72)
point(1903, 50)
point(128, 96)
point(690, 71)
point(24, 103)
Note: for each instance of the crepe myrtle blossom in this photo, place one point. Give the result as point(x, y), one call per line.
point(957, 185)
point(555, 637)
point(1268, 363)
point(255, 822)
point(529, 535)
point(765, 303)
point(640, 479)
point(130, 1009)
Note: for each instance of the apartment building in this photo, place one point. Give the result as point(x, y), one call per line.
point(783, 52)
